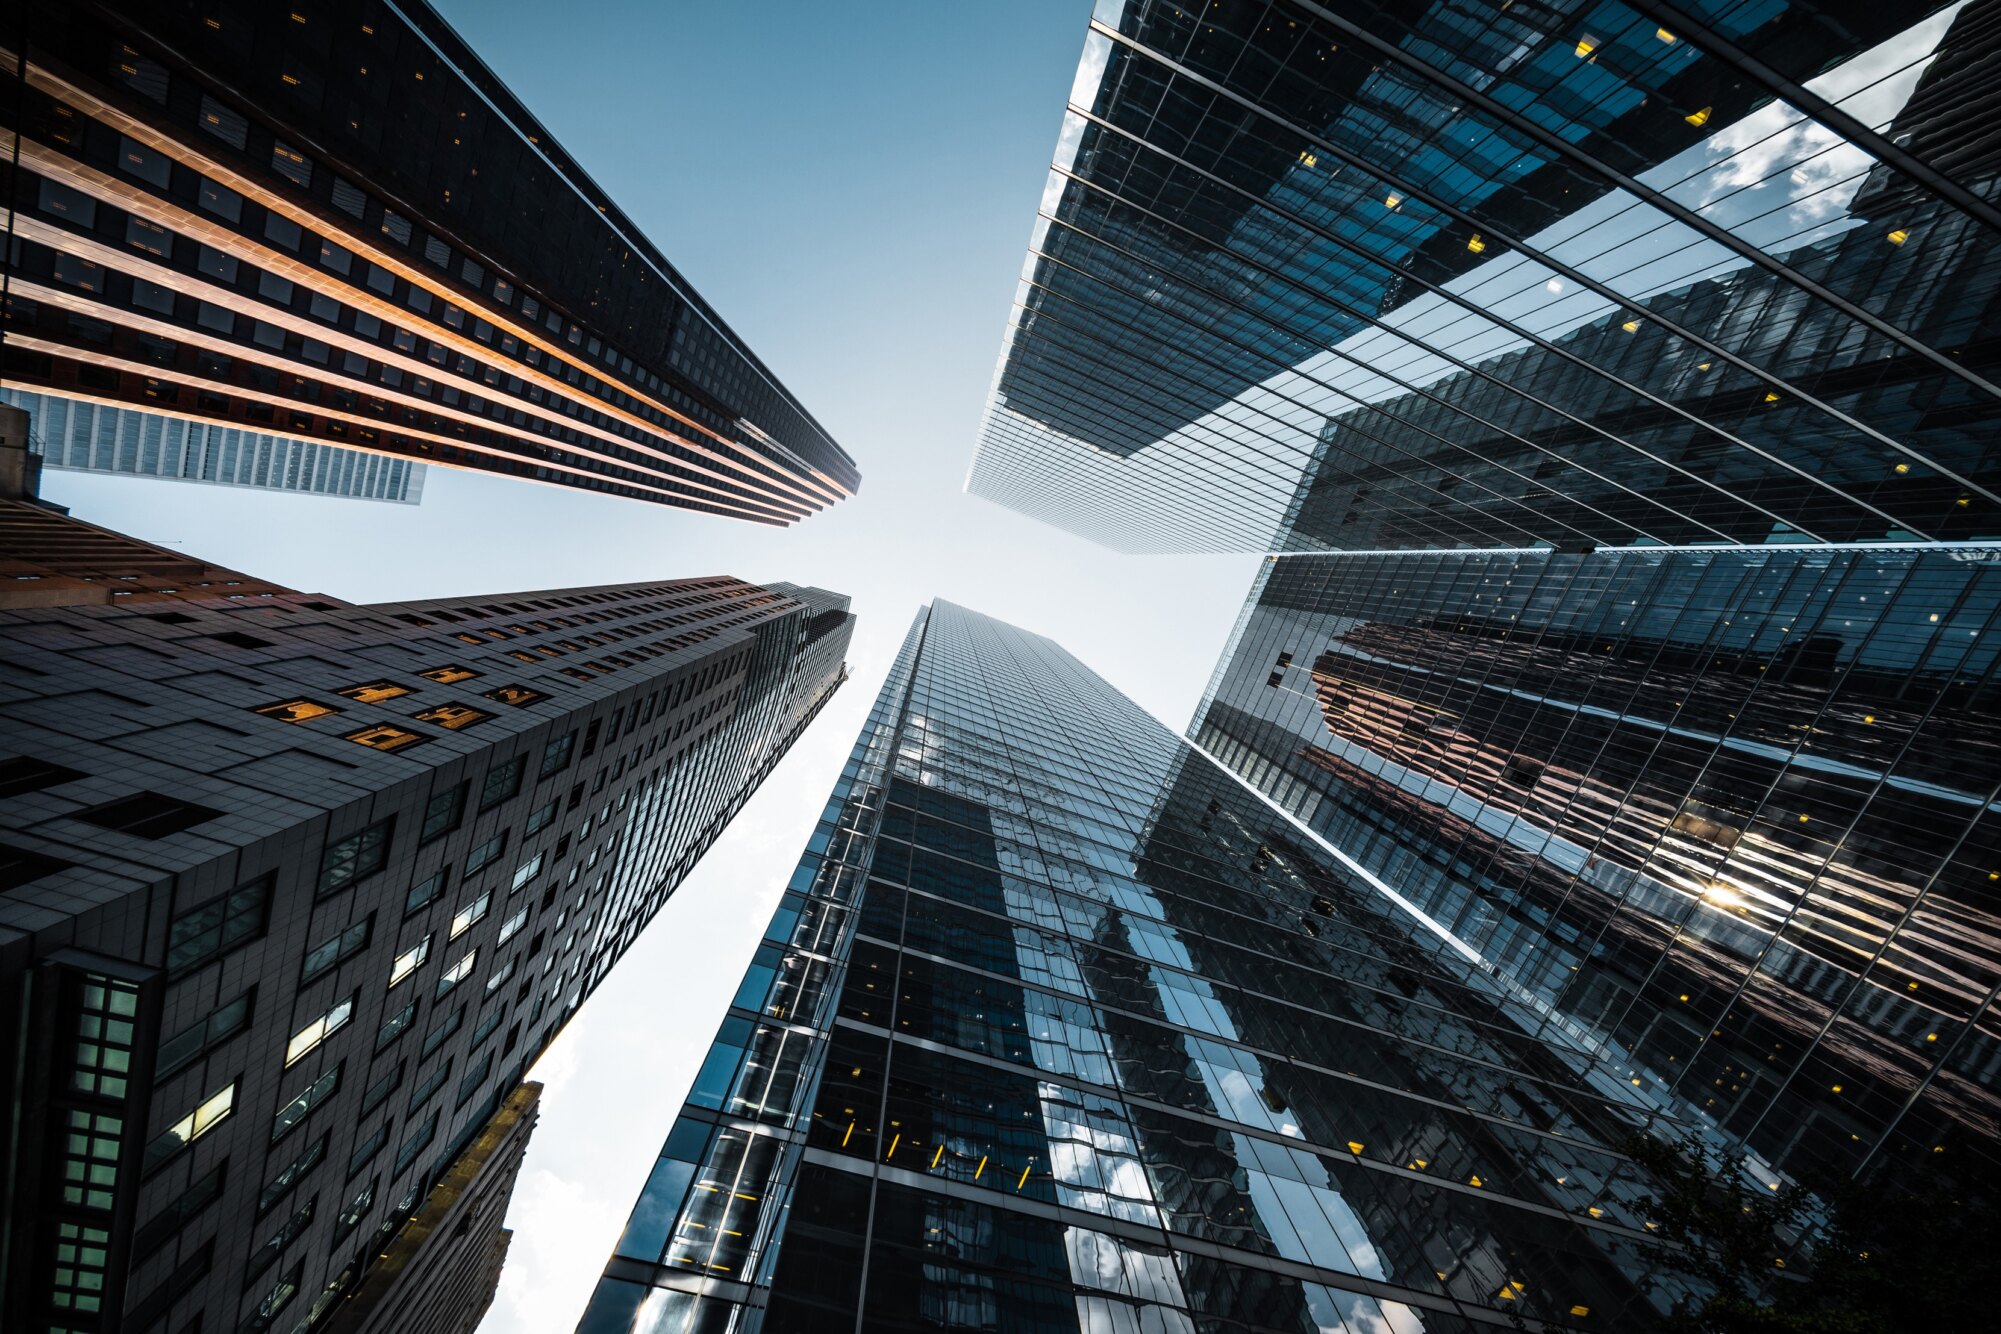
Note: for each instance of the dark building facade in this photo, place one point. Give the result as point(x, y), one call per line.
point(1060, 1027)
point(1735, 817)
point(331, 221)
point(1567, 274)
point(292, 891)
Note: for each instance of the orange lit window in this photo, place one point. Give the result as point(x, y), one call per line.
point(374, 692)
point(385, 736)
point(522, 655)
point(515, 695)
point(452, 717)
point(468, 639)
point(295, 710)
point(448, 674)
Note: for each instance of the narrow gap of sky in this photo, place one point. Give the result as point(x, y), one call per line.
point(853, 188)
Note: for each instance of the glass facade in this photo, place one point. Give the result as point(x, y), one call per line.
point(1059, 1027)
point(75, 436)
point(332, 222)
point(1735, 817)
point(1576, 274)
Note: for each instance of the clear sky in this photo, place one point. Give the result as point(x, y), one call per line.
point(852, 187)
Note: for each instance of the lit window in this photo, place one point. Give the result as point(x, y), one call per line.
point(384, 736)
point(453, 717)
point(449, 674)
point(191, 1127)
point(409, 961)
point(374, 692)
point(512, 925)
point(527, 871)
point(464, 918)
point(319, 1030)
point(295, 710)
point(516, 695)
point(458, 972)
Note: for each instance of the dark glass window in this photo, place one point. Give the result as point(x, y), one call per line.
point(210, 931)
point(502, 782)
point(148, 815)
point(298, 1109)
point(481, 856)
point(278, 1187)
point(224, 1022)
point(335, 948)
point(556, 755)
point(355, 856)
point(161, 1228)
point(423, 892)
point(443, 812)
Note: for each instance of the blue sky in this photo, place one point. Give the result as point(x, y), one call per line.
point(853, 187)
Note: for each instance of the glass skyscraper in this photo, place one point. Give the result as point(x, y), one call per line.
point(331, 221)
point(1576, 274)
point(77, 436)
point(1059, 1027)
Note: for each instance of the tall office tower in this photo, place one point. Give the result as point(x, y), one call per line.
point(292, 891)
point(1567, 274)
point(331, 221)
point(74, 436)
point(1059, 1027)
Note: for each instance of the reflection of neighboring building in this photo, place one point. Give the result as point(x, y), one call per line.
point(1737, 813)
point(1058, 1025)
point(78, 436)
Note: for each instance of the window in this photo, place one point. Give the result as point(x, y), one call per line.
point(480, 857)
point(474, 1078)
point(191, 1127)
point(223, 123)
point(517, 695)
point(224, 1022)
point(409, 961)
point(26, 774)
point(525, 872)
point(373, 1096)
point(290, 163)
point(432, 1083)
point(332, 950)
point(292, 1113)
point(423, 892)
point(384, 736)
point(449, 674)
point(458, 972)
point(513, 924)
point(295, 710)
point(416, 1144)
point(318, 1031)
point(484, 1029)
point(276, 1300)
point(442, 813)
point(267, 1255)
point(147, 815)
point(353, 857)
point(278, 1187)
point(556, 755)
point(499, 979)
point(204, 934)
point(161, 1228)
point(147, 164)
point(373, 692)
point(453, 717)
point(539, 819)
point(502, 782)
point(221, 201)
point(392, 1027)
point(464, 918)
point(437, 1036)
point(74, 205)
point(367, 1149)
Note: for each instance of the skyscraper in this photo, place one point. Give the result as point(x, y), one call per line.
point(75, 436)
point(292, 891)
point(332, 222)
point(1559, 274)
point(1059, 1027)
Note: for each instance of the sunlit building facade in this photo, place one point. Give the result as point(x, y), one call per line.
point(1574, 274)
point(1059, 1027)
point(78, 436)
point(293, 891)
point(331, 222)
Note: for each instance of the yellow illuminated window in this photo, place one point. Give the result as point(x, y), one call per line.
point(1476, 244)
point(374, 692)
point(295, 710)
point(447, 675)
point(1898, 237)
point(385, 736)
point(515, 695)
point(452, 717)
point(1586, 45)
point(522, 655)
point(1700, 118)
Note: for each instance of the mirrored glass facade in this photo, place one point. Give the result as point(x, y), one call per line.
point(331, 221)
point(1735, 817)
point(1587, 273)
point(1059, 1027)
point(75, 436)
